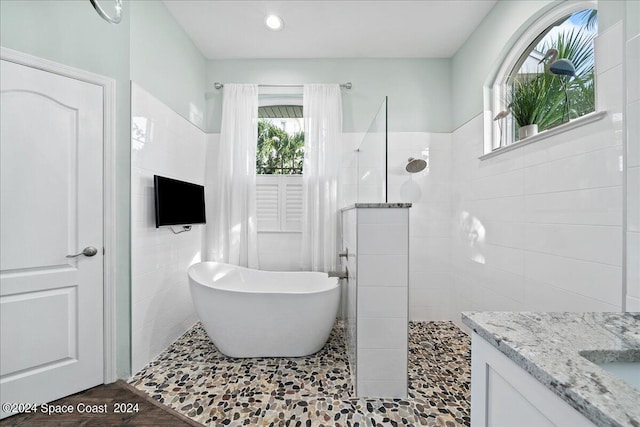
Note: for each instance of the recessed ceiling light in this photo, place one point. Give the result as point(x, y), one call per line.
point(274, 22)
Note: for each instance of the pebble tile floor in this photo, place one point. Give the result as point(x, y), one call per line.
point(194, 378)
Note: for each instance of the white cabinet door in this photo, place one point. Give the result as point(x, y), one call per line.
point(51, 306)
point(505, 395)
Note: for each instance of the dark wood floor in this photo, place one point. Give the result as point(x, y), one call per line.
point(150, 413)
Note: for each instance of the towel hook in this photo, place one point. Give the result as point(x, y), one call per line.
point(103, 14)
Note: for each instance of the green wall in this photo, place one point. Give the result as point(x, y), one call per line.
point(611, 11)
point(633, 19)
point(418, 89)
point(165, 62)
point(484, 50)
point(72, 33)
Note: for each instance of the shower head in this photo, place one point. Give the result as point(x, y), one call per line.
point(415, 165)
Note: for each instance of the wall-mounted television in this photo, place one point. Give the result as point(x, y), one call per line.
point(178, 202)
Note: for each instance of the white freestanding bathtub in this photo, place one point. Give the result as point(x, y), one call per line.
point(253, 313)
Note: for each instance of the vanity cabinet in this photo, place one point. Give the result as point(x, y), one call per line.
point(505, 395)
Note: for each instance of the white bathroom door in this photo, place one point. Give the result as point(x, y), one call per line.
point(51, 206)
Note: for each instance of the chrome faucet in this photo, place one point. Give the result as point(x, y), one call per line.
point(340, 274)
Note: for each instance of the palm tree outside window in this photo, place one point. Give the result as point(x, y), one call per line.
point(280, 147)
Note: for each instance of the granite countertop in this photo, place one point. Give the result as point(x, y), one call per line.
point(377, 205)
point(551, 346)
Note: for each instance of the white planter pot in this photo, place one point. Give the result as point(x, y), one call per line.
point(527, 131)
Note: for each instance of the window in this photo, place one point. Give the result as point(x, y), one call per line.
point(548, 77)
point(279, 160)
point(280, 148)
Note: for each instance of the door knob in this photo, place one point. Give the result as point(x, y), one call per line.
point(88, 251)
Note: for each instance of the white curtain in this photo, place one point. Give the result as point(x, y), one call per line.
point(232, 224)
point(322, 106)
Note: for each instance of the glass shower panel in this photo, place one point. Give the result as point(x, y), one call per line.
point(349, 174)
point(371, 160)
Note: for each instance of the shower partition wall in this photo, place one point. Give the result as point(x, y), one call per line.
point(369, 162)
point(377, 361)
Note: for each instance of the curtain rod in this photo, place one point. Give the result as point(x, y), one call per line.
point(346, 85)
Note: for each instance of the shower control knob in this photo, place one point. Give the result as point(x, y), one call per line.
point(89, 251)
point(344, 254)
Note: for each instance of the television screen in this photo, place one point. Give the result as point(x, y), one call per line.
point(178, 202)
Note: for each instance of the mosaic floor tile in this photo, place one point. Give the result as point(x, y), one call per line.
point(194, 378)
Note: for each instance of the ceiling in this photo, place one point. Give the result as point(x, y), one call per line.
point(330, 29)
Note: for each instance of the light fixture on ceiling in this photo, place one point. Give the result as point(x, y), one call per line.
point(274, 22)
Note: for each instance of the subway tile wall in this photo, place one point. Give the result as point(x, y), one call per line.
point(383, 265)
point(376, 302)
point(163, 143)
point(540, 228)
point(429, 191)
point(349, 291)
point(632, 64)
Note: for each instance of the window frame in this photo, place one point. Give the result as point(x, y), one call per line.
point(495, 89)
point(280, 96)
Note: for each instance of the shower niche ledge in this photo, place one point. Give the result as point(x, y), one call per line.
point(375, 240)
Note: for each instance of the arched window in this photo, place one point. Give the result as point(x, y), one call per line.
point(547, 79)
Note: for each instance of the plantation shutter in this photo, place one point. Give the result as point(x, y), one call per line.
point(291, 219)
point(267, 203)
point(279, 202)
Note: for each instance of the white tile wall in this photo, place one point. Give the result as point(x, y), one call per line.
point(430, 215)
point(608, 54)
point(633, 67)
point(380, 364)
point(376, 299)
point(381, 269)
point(350, 292)
point(279, 251)
point(632, 63)
point(382, 315)
point(383, 301)
point(164, 144)
point(633, 130)
point(540, 228)
point(430, 218)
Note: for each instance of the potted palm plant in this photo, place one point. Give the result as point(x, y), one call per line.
point(530, 101)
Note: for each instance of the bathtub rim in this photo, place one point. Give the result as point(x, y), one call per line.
point(335, 285)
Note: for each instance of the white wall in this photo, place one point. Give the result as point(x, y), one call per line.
point(348, 297)
point(430, 193)
point(165, 144)
point(540, 228)
point(376, 299)
point(279, 251)
point(429, 217)
point(632, 46)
